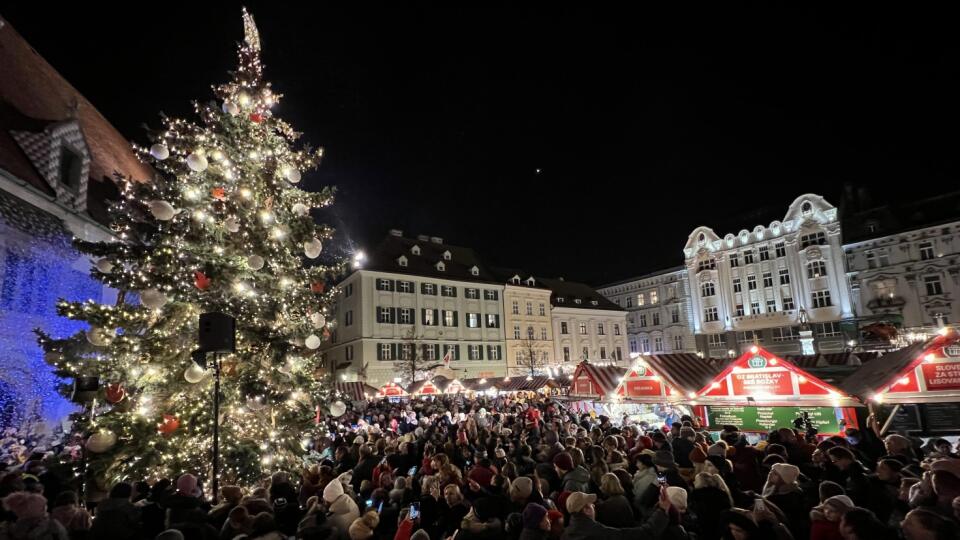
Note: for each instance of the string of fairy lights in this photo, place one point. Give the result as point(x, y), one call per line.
point(223, 228)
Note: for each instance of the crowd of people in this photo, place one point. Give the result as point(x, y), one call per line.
point(504, 469)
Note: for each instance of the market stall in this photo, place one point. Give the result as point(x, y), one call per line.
point(356, 390)
point(391, 390)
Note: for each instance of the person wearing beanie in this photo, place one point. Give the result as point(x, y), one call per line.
point(481, 522)
point(666, 466)
point(572, 477)
point(362, 528)
point(238, 522)
point(536, 523)
point(583, 525)
point(556, 524)
point(782, 490)
point(32, 519)
point(342, 510)
point(825, 519)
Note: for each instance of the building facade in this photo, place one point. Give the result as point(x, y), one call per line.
point(418, 297)
point(658, 311)
point(528, 330)
point(586, 326)
point(763, 285)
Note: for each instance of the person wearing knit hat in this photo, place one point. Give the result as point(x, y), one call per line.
point(362, 528)
point(678, 498)
point(342, 509)
point(782, 490)
point(718, 449)
point(583, 524)
point(521, 489)
point(536, 521)
point(572, 478)
point(825, 519)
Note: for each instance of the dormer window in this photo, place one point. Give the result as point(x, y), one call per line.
point(71, 168)
point(702, 239)
point(441, 267)
point(531, 282)
point(515, 280)
point(474, 271)
point(577, 301)
point(594, 302)
point(415, 250)
point(402, 261)
point(446, 255)
point(806, 208)
point(560, 299)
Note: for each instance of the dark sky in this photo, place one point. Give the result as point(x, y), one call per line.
point(644, 124)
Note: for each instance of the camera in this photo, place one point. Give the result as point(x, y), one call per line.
point(803, 422)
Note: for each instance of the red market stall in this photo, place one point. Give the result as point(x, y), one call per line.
point(454, 387)
point(760, 392)
point(920, 382)
point(424, 388)
point(666, 377)
point(356, 390)
point(391, 390)
point(594, 383)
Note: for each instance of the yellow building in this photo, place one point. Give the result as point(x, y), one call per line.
point(527, 328)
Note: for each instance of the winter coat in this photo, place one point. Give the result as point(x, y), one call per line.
point(179, 508)
point(39, 528)
point(707, 505)
point(341, 514)
point(72, 517)
point(746, 467)
point(363, 471)
point(642, 480)
point(583, 528)
point(450, 518)
point(790, 500)
point(576, 480)
point(218, 514)
point(616, 512)
point(681, 452)
point(471, 529)
point(116, 518)
point(821, 529)
point(531, 534)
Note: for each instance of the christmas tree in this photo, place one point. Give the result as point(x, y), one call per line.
point(223, 228)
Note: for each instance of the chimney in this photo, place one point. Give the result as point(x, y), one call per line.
point(436, 239)
point(423, 238)
point(396, 232)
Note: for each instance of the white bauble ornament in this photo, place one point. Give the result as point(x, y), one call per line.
point(292, 174)
point(194, 374)
point(104, 265)
point(197, 162)
point(231, 224)
point(244, 99)
point(162, 210)
point(312, 248)
point(300, 209)
point(255, 262)
point(231, 108)
point(160, 151)
point(338, 408)
point(98, 336)
point(312, 341)
point(153, 299)
point(318, 319)
point(101, 441)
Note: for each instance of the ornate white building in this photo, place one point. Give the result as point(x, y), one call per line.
point(658, 311)
point(758, 284)
point(586, 326)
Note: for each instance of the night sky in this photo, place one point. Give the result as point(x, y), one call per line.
point(644, 124)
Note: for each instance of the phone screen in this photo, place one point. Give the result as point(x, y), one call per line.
point(415, 511)
point(369, 503)
point(412, 471)
point(380, 508)
point(662, 478)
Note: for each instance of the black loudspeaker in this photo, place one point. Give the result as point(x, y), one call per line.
point(217, 333)
point(85, 389)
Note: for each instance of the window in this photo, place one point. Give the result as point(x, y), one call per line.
point(806, 208)
point(449, 318)
point(493, 351)
point(707, 289)
point(643, 320)
point(658, 344)
point(603, 353)
point(754, 308)
point(641, 299)
point(577, 301)
point(566, 354)
point(616, 329)
point(583, 328)
point(516, 331)
point(828, 329)
point(771, 306)
point(516, 308)
point(871, 259)
point(788, 303)
point(707, 264)
point(493, 320)
point(384, 352)
point(491, 295)
point(348, 318)
point(752, 283)
point(716, 340)
point(767, 279)
point(600, 330)
point(586, 353)
point(428, 288)
point(656, 318)
point(884, 258)
point(406, 315)
point(737, 287)
point(739, 310)
point(785, 333)
point(530, 334)
point(926, 251)
point(645, 345)
point(543, 333)
point(543, 309)
point(448, 290)
point(821, 299)
point(384, 284)
point(653, 297)
point(519, 359)
point(678, 343)
point(734, 260)
point(746, 337)
point(710, 314)
point(473, 320)
point(441, 267)
point(764, 253)
point(563, 328)
point(781, 249)
point(784, 276)
point(618, 354)
point(405, 286)
point(429, 317)
point(813, 239)
point(429, 352)
point(385, 315)
point(406, 351)
point(816, 269)
point(674, 314)
point(933, 284)
point(473, 294)
point(474, 352)
point(560, 299)
point(748, 256)
point(474, 271)
point(348, 290)
point(529, 308)
point(349, 352)
point(71, 168)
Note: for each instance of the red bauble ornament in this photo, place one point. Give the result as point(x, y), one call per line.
point(169, 425)
point(256, 118)
point(115, 393)
point(318, 286)
point(218, 193)
point(200, 280)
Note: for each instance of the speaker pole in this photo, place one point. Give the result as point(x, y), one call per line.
point(216, 426)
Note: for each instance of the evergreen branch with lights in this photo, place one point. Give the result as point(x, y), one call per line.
point(222, 228)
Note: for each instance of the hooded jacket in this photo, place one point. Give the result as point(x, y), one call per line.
point(341, 508)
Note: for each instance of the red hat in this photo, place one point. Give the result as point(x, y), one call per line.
point(645, 442)
point(562, 499)
point(563, 460)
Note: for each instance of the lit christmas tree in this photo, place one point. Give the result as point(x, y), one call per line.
point(224, 229)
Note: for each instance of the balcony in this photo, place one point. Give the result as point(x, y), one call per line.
point(886, 302)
